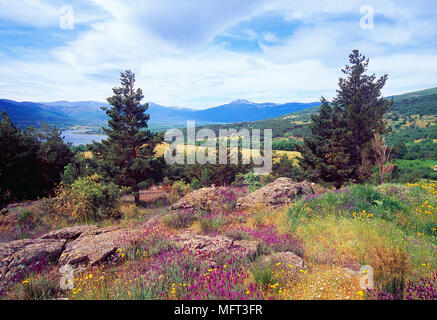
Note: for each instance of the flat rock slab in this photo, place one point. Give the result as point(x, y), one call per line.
point(94, 247)
point(79, 245)
point(22, 256)
point(216, 246)
point(70, 233)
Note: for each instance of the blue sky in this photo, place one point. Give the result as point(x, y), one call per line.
point(202, 53)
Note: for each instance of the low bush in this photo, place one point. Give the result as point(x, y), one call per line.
point(178, 190)
point(86, 199)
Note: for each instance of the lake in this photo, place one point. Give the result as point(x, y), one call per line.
point(78, 137)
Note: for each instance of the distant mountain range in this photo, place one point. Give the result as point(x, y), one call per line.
point(414, 110)
point(65, 114)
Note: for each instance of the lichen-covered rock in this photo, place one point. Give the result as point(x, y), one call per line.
point(97, 246)
point(22, 256)
point(207, 199)
point(70, 233)
point(80, 246)
point(216, 247)
point(280, 192)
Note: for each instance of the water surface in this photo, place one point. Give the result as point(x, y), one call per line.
point(78, 137)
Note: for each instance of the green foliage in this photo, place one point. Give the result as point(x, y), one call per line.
point(53, 154)
point(339, 149)
point(410, 171)
point(208, 174)
point(195, 184)
point(325, 155)
point(253, 180)
point(285, 167)
point(86, 199)
point(31, 161)
point(285, 145)
point(38, 287)
point(24, 215)
point(83, 164)
point(206, 177)
point(408, 135)
point(262, 275)
point(178, 190)
point(416, 103)
point(128, 156)
point(425, 149)
point(70, 174)
point(389, 203)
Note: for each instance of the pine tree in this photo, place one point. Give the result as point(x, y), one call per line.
point(53, 155)
point(13, 155)
point(287, 168)
point(128, 153)
point(325, 156)
point(359, 98)
point(340, 148)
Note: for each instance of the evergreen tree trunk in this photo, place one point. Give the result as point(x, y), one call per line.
point(136, 193)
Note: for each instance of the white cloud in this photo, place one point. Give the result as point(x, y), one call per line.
point(29, 12)
point(168, 45)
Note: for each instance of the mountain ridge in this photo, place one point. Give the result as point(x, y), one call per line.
point(69, 113)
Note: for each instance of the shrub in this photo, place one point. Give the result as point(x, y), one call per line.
point(24, 216)
point(178, 190)
point(195, 184)
point(391, 266)
point(237, 234)
point(86, 199)
point(253, 180)
point(345, 202)
point(423, 289)
point(262, 275)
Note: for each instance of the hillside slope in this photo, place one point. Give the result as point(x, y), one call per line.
point(25, 114)
point(414, 111)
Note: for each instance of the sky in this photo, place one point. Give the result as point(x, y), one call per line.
point(203, 53)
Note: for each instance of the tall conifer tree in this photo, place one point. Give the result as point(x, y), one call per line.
point(128, 153)
point(359, 98)
point(340, 145)
point(325, 155)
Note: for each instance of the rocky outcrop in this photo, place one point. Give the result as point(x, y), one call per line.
point(79, 246)
point(17, 258)
point(97, 246)
point(71, 233)
point(280, 192)
point(218, 246)
point(83, 246)
point(207, 199)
